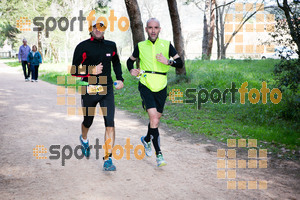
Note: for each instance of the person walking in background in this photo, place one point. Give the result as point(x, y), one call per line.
point(34, 59)
point(23, 53)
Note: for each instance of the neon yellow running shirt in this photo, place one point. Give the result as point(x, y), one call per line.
point(148, 62)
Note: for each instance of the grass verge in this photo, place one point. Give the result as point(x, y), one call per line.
point(222, 121)
point(218, 121)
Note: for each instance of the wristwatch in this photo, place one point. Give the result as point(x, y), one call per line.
point(170, 62)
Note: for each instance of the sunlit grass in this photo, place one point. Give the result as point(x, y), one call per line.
point(217, 121)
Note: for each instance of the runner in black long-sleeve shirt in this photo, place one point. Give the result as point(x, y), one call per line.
point(92, 61)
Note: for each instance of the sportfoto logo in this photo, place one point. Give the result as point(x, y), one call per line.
point(67, 151)
point(260, 23)
point(23, 24)
point(216, 95)
point(63, 23)
point(66, 93)
point(228, 164)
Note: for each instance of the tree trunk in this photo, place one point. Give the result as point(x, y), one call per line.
point(208, 29)
point(211, 28)
point(66, 46)
point(205, 32)
point(218, 34)
point(136, 23)
point(177, 34)
point(220, 26)
point(293, 23)
point(54, 53)
point(223, 51)
point(39, 39)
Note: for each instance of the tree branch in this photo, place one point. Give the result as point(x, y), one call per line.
point(224, 5)
point(240, 26)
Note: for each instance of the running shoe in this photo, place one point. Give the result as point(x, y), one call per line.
point(108, 165)
point(160, 160)
point(85, 148)
point(147, 146)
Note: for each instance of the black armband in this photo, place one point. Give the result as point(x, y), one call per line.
point(177, 63)
point(130, 64)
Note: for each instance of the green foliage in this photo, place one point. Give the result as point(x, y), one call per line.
point(280, 37)
point(51, 77)
point(59, 46)
point(291, 23)
point(219, 121)
point(13, 64)
point(8, 32)
point(287, 76)
point(102, 6)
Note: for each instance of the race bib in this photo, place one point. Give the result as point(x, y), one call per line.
point(93, 89)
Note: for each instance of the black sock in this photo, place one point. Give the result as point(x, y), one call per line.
point(148, 136)
point(107, 156)
point(155, 140)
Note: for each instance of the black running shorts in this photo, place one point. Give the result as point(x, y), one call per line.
point(104, 101)
point(153, 99)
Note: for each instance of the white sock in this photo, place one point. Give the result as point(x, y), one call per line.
point(85, 141)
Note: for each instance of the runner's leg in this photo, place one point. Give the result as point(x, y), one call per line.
point(154, 117)
point(147, 138)
point(109, 133)
point(84, 131)
point(89, 103)
point(108, 104)
point(148, 102)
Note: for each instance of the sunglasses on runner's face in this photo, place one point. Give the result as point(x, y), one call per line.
point(101, 25)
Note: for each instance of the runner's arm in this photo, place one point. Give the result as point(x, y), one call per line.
point(133, 58)
point(177, 62)
point(117, 65)
point(78, 58)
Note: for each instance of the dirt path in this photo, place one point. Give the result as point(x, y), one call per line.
point(29, 116)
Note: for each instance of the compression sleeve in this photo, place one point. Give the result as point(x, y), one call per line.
point(130, 64)
point(172, 51)
point(135, 54)
point(117, 65)
point(177, 63)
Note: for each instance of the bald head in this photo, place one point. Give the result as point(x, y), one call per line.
point(153, 29)
point(153, 20)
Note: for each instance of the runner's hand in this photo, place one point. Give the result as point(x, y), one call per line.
point(98, 69)
point(120, 84)
point(160, 58)
point(134, 72)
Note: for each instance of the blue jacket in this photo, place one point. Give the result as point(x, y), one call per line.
point(34, 60)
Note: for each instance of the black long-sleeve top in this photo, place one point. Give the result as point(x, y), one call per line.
point(91, 52)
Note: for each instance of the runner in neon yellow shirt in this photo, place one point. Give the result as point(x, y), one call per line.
point(154, 55)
